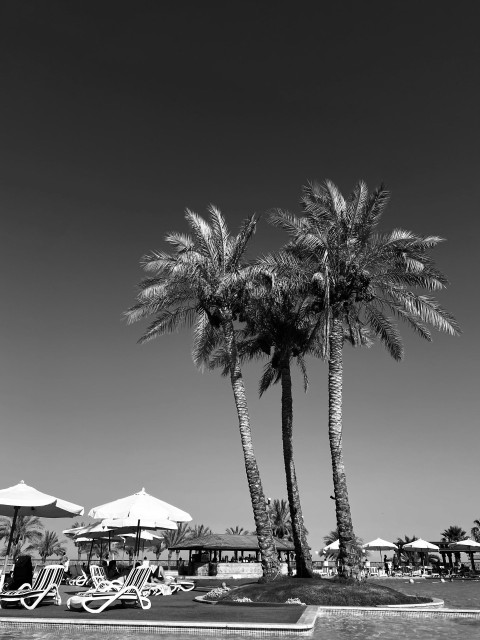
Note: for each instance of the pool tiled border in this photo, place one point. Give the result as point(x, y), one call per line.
point(303, 626)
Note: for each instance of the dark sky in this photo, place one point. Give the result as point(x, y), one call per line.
point(114, 117)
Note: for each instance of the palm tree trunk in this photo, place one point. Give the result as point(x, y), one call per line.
point(347, 560)
point(270, 563)
point(302, 551)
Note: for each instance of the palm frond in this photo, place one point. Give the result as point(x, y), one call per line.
point(220, 233)
point(386, 330)
point(270, 376)
point(205, 340)
point(430, 311)
point(239, 245)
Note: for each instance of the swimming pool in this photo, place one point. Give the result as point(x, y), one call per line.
point(458, 595)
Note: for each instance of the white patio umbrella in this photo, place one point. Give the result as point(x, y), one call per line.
point(97, 531)
point(333, 547)
point(379, 545)
point(21, 499)
point(422, 546)
point(468, 546)
point(140, 510)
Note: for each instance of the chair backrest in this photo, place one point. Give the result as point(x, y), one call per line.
point(98, 574)
point(137, 577)
point(48, 577)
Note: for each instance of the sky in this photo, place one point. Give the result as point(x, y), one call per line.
point(115, 117)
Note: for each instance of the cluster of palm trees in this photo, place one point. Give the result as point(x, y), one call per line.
point(30, 537)
point(336, 280)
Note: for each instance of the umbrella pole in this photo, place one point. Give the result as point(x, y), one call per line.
point(12, 531)
point(90, 554)
point(137, 543)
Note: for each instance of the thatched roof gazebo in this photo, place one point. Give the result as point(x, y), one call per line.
point(208, 554)
point(228, 542)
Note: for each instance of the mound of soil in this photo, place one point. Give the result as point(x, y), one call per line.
point(332, 592)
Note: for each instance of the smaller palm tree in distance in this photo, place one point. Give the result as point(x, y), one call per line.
point(27, 535)
point(175, 537)
point(237, 530)
point(50, 545)
point(406, 555)
point(199, 530)
point(475, 530)
point(280, 518)
point(454, 533)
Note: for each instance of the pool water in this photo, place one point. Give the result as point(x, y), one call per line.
point(457, 595)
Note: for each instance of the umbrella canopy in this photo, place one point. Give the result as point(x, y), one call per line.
point(21, 499)
point(379, 545)
point(421, 545)
point(24, 500)
point(466, 545)
point(140, 510)
point(129, 525)
point(333, 547)
point(144, 535)
point(140, 506)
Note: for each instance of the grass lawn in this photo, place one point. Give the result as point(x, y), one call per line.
point(317, 591)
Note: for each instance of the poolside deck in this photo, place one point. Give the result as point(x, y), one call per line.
point(179, 611)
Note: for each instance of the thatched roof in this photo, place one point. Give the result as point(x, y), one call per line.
point(229, 542)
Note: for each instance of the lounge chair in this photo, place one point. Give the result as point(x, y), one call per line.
point(45, 587)
point(179, 585)
point(100, 580)
point(81, 580)
point(132, 591)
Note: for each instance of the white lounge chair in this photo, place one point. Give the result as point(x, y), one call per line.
point(45, 587)
point(132, 591)
point(101, 581)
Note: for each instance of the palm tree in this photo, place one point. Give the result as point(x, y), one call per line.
point(27, 535)
point(404, 554)
point(279, 324)
point(50, 545)
point(475, 530)
point(202, 282)
point(175, 537)
point(333, 536)
point(157, 549)
point(454, 533)
point(237, 531)
point(199, 530)
point(280, 518)
point(82, 547)
point(358, 277)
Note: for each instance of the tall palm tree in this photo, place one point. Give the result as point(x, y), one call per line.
point(27, 535)
point(279, 324)
point(454, 533)
point(201, 283)
point(358, 278)
point(237, 531)
point(50, 545)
